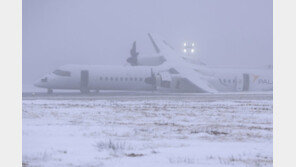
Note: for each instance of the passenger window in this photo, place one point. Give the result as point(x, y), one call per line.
point(101, 78)
point(131, 79)
point(121, 79)
point(106, 78)
point(140, 79)
point(111, 79)
point(116, 79)
point(125, 79)
point(136, 79)
point(224, 80)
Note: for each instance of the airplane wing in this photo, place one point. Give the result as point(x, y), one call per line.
point(183, 68)
point(197, 79)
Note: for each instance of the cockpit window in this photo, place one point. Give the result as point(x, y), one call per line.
point(44, 79)
point(62, 73)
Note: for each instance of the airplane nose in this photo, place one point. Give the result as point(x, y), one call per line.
point(41, 82)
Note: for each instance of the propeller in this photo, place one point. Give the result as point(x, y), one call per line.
point(133, 60)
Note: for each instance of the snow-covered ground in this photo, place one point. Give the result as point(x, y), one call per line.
point(148, 130)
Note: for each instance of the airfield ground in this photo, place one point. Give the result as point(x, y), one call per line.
point(150, 129)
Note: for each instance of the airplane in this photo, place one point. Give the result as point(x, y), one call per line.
point(174, 74)
point(223, 79)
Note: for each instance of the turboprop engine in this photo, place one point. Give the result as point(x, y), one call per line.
point(151, 60)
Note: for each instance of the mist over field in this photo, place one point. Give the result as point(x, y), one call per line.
point(228, 33)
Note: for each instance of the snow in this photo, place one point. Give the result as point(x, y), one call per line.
point(149, 130)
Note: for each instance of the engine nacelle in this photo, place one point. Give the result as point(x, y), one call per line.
point(151, 60)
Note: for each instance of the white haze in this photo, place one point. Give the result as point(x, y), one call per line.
point(228, 33)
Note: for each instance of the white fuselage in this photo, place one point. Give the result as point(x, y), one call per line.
point(95, 77)
point(99, 78)
point(236, 80)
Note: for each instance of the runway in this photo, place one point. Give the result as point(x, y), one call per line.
point(131, 94)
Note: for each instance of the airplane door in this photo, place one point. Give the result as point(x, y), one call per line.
point(239, 83)
point(246, 82)
point(84, 79)
point(243, 82)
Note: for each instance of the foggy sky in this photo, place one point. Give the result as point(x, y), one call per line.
point(234, 33)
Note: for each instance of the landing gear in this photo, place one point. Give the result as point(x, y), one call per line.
point(49, 91)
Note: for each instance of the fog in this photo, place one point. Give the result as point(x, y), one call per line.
point(228, 33)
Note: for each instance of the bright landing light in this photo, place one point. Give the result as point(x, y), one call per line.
point(185, 50)
point(192, 50)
